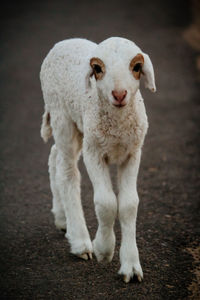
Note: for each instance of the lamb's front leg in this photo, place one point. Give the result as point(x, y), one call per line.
point(128, 203)
point(105, 206)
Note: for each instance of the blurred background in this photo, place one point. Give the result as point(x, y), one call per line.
point(35, 261)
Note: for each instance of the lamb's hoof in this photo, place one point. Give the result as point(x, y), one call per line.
point(128, 273)
point(59, 220)
point(103, 255)
point(104, 258)
point(85, 256)
point(60, 225)
point(127, 278)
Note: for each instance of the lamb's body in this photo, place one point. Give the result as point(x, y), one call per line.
point(109, 135)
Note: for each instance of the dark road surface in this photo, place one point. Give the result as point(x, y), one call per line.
point(35, 262)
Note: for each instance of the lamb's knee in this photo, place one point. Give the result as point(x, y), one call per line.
point(106, 207)
point(67, 169)
point(128, 211)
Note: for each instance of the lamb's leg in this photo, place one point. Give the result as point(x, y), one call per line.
point(68, 144)
point(128, 203)
point(57, 206)
point(68, 179)
point(105, 206)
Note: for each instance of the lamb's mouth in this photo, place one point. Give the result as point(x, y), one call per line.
point(119, 105)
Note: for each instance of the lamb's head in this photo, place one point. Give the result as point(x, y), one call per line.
point(117, 65)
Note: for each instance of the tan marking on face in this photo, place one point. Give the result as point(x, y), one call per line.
point(137, 63)
point(98, 68)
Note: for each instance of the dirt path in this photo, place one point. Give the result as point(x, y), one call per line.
point(34, 256)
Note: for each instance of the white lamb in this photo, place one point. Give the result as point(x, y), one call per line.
point(93, 104)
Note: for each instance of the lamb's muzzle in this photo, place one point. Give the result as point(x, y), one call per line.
point(119, 97)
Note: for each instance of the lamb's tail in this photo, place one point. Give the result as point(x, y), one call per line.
point(46, 130)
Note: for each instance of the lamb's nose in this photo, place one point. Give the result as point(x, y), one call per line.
point(119, 95)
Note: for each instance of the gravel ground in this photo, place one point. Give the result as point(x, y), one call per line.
point(34, 256)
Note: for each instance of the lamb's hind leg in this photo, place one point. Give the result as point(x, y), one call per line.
point(68, 144)
point(57, 205)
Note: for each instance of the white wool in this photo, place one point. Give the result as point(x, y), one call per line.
point(82, 115)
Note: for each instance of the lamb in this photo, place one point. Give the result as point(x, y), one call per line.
point(93, 104)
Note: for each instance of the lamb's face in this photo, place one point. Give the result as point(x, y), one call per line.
point(116, 81)
point(117, 66)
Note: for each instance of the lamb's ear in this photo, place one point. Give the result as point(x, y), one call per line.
point(89, 73)
point(148, 71)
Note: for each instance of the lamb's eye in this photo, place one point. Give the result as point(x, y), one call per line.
point(97, 69)
point(137, 67)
